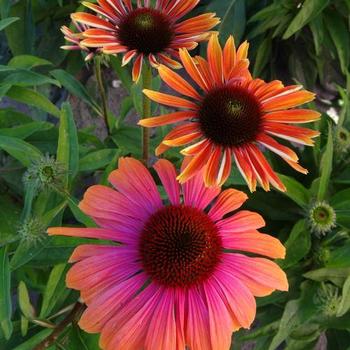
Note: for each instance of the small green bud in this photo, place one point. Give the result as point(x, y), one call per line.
point(327, 299)
point(46, 173)
point(32, 231)
point(342, 141)
point(322, 218)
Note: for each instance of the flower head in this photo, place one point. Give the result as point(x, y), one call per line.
point(75, 38)
point(232, 117)
point(176, 279)
point(144, 31)
point(45, 173)
point(32, 231)
point(322, 218)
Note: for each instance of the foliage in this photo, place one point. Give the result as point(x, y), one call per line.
point(296, 41)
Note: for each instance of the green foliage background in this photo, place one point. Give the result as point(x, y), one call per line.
point(292, 40)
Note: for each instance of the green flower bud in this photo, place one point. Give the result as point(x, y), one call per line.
point(322, 218)
point(32, 231)
point(327, 299)
point(46, 173)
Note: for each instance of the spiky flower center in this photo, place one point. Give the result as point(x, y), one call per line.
point(230, 116)
point(322, 218)
point(145, 30)
point(180, 246)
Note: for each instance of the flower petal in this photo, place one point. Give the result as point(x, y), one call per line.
point(167, 174)
point(228, 201)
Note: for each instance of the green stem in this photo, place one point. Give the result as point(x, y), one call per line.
point(147, 84)
point(101, 88)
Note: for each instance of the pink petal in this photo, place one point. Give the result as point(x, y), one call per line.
point(197, 329)
point(161, 332)
point(220, 321)
point(254, 242)
point(167, 174)
point(107, 304)
point(131, 322)
point(196, 194)
point(261, 271)
point(228, 201)
point(239, 298)
point(136, 183)
point(243, 221)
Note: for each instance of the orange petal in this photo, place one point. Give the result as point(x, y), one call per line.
point(195, 164)
point(215, 59)
point(192, 69)
point(293, 116)
point(289, 100)
point(137, 68)
point(176, 82)
point(166, 119)
point(92, 20)
point(169, 100)
point(229, 56)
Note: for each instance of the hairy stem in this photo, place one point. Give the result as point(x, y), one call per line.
point(101, 89)
point(52, 338)
point(147, 84)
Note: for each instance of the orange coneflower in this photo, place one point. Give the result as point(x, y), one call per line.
point(178, 279)
point(144, 31)
point(231, 116)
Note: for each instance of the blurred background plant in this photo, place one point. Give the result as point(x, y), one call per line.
point(54, 142)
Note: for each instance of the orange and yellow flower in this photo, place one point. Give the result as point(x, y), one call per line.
point(144, 31)
point(178, 279)
point(228, 116)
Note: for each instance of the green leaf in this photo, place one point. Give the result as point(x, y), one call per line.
point(23, 151)
point(344, 305)
point(335, 275)
point(326, 166)
point(75, 88)
point(28, 62)
point(263, 56)
point(5, 294)
point(297, 245)
point(79, 215)
point(234, 20)
point(9, 218)
point(53, 290)
point(25, 77)
point(339, 33)
point(24, 301)
point(68, 145)
point(34, 340)
point(339, 257)
point(33, 98)
point(26, 130)
point(97, 160)
point(296, 191)
point(288, 322)
point(308, 11)
point(7, 21)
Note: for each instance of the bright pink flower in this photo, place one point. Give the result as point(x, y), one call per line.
point(174, 280)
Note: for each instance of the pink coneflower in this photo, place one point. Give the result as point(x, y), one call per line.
point(144, 31)
point(177, 278)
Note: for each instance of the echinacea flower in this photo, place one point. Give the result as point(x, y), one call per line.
point(144, 31)
point(229, 115)
point(75, 38)
point(178, 277)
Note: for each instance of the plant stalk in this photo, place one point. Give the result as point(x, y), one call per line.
point(101, 89)
point(146, 84)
